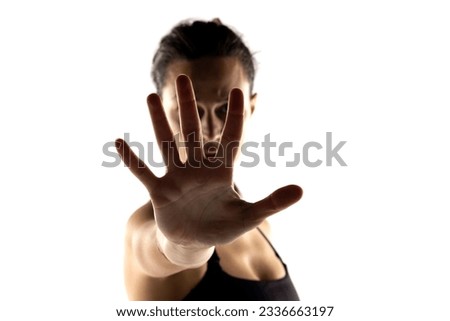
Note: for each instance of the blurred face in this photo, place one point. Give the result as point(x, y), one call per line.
point(212, 78)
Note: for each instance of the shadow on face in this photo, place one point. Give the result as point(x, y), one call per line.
point(212, 78)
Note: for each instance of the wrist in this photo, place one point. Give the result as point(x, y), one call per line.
point(183, 255)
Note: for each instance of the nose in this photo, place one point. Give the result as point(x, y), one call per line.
point(211, 124)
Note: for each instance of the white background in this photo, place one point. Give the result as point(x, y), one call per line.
point(370, 238)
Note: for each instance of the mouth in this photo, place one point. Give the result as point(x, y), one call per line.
point(211, 148)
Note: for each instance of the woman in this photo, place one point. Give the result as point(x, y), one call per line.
point(196, 239)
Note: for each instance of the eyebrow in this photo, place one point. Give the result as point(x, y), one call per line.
point(222, 94)
point(223, 100)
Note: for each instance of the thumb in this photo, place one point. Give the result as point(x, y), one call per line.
point(275, 202)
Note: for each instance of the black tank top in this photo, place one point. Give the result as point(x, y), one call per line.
point(217, 285)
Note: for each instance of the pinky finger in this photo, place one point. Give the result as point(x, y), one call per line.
point(135, 164)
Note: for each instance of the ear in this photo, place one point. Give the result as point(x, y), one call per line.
point(253, 103)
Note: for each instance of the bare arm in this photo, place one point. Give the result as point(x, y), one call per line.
point(141, 240)
point(148, 274)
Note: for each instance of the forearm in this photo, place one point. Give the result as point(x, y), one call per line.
point(158, 257)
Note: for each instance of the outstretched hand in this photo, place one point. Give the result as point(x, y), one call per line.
point(194, 202)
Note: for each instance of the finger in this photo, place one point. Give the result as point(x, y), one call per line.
point(232, 132)
point(163, 132)
point(135, 164)
point(189, 119)
point(275, 202)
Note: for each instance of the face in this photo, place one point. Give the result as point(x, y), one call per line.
point(212, 78)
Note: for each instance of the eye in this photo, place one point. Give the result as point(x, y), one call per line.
point(201, 112)
point(221, 112)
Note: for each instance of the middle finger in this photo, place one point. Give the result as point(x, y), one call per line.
point(189, 119)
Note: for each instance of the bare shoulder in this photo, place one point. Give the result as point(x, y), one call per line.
point(141, 215)
point(142, 256)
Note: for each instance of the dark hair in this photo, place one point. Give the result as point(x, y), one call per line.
point(197, 39)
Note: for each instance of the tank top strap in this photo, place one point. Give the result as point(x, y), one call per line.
point(270, 243)
point(215, 257)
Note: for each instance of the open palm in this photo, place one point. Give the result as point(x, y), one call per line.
point(195, 202)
